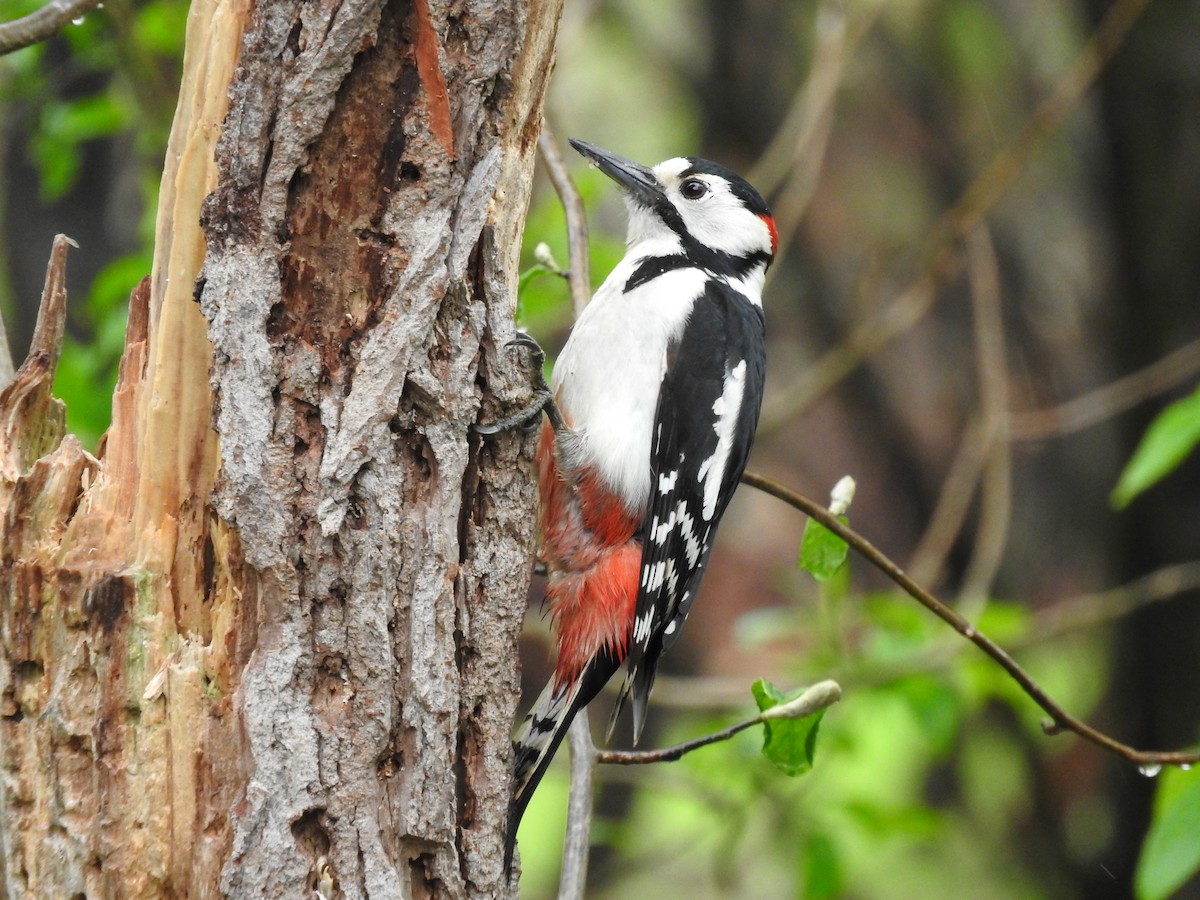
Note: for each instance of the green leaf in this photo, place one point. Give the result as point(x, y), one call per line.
point(1167, 442)
point(822, 553)
point(529, 275)
point(1171, 853)
point(788, 743)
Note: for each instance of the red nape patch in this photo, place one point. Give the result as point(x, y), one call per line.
point(769, 221)
point(593, 609)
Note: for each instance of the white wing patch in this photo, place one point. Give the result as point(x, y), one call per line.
point(688, 532)
point(666, 483)
point(652, 576)
point(727, 408)
point(641, 626)
point(687, 528)
point(661, 531)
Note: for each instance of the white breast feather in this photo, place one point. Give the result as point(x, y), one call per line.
point(607, 378)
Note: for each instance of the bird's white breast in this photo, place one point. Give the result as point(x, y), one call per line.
point(607, 378)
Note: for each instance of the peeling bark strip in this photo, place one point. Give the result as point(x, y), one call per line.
point(373, 174)
point(284, 662)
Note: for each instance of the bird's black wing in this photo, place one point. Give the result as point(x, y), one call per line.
point(704, 425)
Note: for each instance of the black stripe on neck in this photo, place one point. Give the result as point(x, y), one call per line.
point(699, 257)
point(653, 266)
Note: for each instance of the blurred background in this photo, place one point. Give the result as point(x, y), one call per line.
point(988, 289)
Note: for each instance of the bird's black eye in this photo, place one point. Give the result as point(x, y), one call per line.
point(693, 189)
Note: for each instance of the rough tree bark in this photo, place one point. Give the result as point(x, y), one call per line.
point(264, 643)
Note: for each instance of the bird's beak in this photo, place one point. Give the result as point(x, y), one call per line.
point(635, 178)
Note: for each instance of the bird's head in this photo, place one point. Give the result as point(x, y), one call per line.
point(712, 213)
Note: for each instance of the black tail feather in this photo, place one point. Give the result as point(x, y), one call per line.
point(540, 734)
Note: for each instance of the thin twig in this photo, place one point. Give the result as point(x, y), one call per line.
point(938, 250)
point(1067, 616)
point(996, 491)
point(670, 754)
point(864, 340)
point(577, 841)
point(820, 696)
point(1091, 610)
point(1059, 719)
point(793, 142)
point(41, 24)
point(578, 268)
point(954, 500)
point(804, 136)
point(1106, 402)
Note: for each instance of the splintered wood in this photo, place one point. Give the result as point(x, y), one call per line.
point(282, 662)
point(120, 613)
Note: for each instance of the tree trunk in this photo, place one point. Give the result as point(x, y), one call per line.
point(264, 644)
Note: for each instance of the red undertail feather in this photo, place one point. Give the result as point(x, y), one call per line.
point(593, 560)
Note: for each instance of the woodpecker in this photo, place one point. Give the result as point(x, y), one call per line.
point(655, 400)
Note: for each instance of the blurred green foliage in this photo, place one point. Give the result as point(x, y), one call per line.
point(544, 299)
point(109, 77)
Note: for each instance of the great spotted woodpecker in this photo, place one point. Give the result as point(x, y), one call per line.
point(658, 388)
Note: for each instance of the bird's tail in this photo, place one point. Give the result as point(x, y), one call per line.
point(543, 730)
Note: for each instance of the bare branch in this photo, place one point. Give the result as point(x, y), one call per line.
point(1106, 402)
point(871, 336)
point(573, 880)
point(1091, 610)
point(996, 496)
point(1067, 616)
point(795, 141)
point(795, 156)
point(864, 340)
point(45, 22)
point(820, 696)
point(1059, 720)
point(578, 267)
point(950, 512)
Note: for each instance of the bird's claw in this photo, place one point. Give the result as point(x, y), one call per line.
point(537, 356)
point(543, 400)
point(525, 419)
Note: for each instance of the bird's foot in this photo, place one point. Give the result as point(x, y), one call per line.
point(542, 401)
